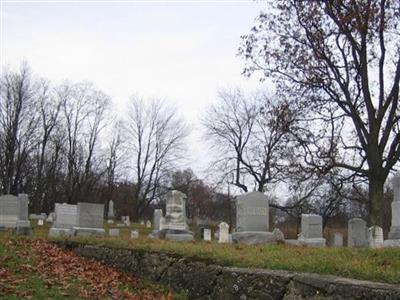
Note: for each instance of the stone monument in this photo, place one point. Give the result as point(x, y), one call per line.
point(394, 233)
point(175, 227)
point(111, 214)
point(338, 239)
point(9, 211)
point(375, 237)
point(64, 220)
point(357, 233)
point(89, 219)
point(157, 218)
point(252, 219)
point(311, 231)
point(223, 233)
point(207, 234)
point(23, 225)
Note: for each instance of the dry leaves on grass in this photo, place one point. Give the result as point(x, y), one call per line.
point(96, 280)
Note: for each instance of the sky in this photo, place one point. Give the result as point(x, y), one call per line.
point(181, 51)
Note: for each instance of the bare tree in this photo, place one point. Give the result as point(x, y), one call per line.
point(156, 135)
point(342, 57)
point(249, 134)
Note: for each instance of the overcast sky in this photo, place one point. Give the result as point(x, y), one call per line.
point(179, 50)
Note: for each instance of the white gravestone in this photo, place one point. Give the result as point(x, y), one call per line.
point(223, 236)
point(207, 234)
point(113, 232)
point(40, 222)
point(311, 231)
point(148, 224)
point(157, 218)
point(65, 219)
point(375, 237)
point(9, 211)
point(175, 216)
point(357, 233)
point(134, 234)
point(338, 239)
point(111, 214)
point(252, 219)
point(89, 219)
point(23, 208)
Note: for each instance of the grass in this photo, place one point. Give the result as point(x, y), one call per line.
point(381, 265)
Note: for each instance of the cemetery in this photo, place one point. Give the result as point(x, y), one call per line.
point(225, 149)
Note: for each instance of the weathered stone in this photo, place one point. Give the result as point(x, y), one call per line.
point(113, 232)
point(134, 234)
point(311, 226)
point(65, 215)
point(207, 234)
point(9, 210)
point(175, 216)
point(148, 224)
point(199, 280)
point(157, 219)
point(88, 231)
point(23, 206)
point(357, 233)
point(90, 215)
point(252, 212)
point(394, 233)
point(253, 237)
point(279, 237)
point(111, 213)
point(179, 237)
point(338, 239)
point(23, 227)
point(40, 222)
point(375, 237)
point(223, 233)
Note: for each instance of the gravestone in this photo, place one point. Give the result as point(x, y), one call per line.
point(148, 224)
point(357, 233)
point(113, 232)
point(23, 208)
point(134, 234)
point(9, 211)
point(394, 233)
point(223, 233)
point(252, 220)
point(207, 234)
point(338, 239)
point(65, 219)
point(157, 218)
point(89, 219)
point(126, 220)
point(110, 214)
point(40, 222)
point(174, 227)
point(311, 231)
point(375, 237)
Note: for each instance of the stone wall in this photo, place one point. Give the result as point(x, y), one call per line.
point(200, 280)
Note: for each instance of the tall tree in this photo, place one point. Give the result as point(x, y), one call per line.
point(340, 56)
point(156, 135)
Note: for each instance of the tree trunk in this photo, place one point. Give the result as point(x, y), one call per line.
point(375, 201)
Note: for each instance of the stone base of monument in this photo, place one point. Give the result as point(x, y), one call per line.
point(253, 237)
point(84, 231)
point(392, 243)
point(56, 232)
point(172, 234)
point(314, 242)
point(23, 228)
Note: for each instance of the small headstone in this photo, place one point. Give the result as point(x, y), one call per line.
point(223, 236)
point(40, 222)
point(278, 235)
point(121, 225)
point(338, 239)
point(113, 232)
point(357, 233)
point(23, 227)
point(148, 224)
point(207, 234)
point(375, 237)
point(162, 223)
point(110, 221)
point(157, 218)
point(134, 234)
